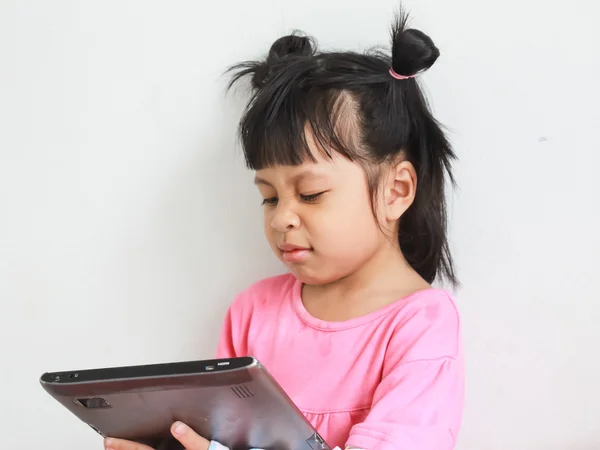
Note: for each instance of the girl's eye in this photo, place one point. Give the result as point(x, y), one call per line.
point(311, 198)
point(272, 201)
point(269, 201)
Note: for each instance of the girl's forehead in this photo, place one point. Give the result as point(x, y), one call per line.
point(322, 169)
point(293, 173)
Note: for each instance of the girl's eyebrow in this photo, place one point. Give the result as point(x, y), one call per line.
point(261, 181)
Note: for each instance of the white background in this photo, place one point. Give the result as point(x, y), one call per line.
point(128, 222)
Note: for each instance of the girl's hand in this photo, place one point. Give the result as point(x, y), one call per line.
point(184, 434)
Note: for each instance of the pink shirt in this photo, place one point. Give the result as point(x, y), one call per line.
point(393, 379)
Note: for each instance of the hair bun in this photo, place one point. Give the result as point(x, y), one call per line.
point(286, 46)
point(412, 50)
point(293, 44)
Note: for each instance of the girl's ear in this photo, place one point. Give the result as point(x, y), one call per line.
point(400, 189)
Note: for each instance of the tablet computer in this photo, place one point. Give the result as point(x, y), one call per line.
point(233, 401)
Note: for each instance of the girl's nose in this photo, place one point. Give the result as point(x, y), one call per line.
point(285, 219)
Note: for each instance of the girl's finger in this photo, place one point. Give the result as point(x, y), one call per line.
point(188, 438)
point(121, 444)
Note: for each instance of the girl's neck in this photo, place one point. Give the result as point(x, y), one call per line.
point(385, 278)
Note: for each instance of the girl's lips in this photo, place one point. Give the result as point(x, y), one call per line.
point(294, 253)
point(295, 256)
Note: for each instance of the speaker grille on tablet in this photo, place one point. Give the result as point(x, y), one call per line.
point(242, 391)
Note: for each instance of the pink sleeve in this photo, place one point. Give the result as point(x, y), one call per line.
point(225, 347)
point(233, 341)
point(419, 402)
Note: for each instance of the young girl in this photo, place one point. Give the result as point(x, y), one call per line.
point(351, 165)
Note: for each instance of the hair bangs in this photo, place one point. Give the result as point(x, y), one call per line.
point(286, 123)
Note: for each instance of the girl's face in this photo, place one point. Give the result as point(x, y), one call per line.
point(318, 218)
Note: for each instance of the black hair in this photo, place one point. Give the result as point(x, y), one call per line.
point(351, 104)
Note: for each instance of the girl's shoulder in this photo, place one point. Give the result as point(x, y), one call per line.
point(264, 291)
point(271, 286)
point(427, 326)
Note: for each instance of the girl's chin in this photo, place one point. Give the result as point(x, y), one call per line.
point(310, 277)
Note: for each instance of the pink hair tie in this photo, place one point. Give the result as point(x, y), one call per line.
point(400, 77)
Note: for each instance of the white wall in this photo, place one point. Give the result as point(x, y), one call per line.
point(127, 221)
